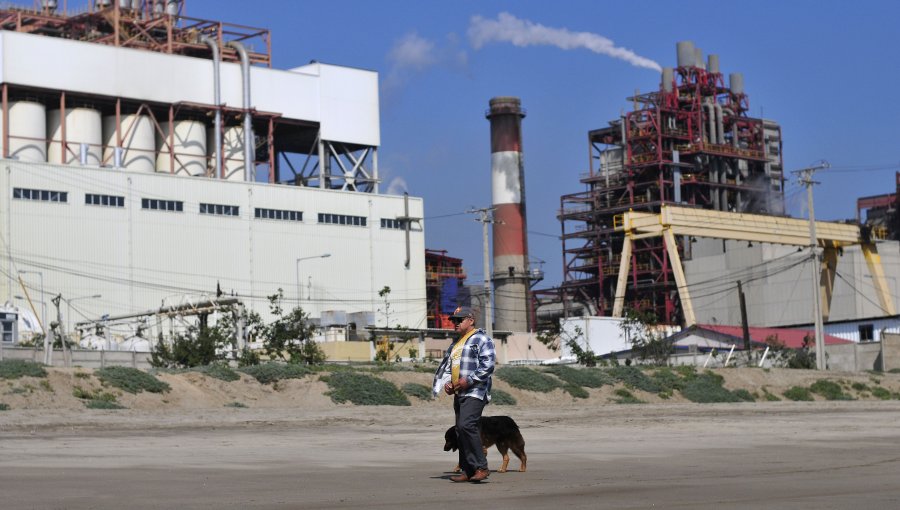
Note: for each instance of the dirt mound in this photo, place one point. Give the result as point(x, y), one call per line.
point(66, 389)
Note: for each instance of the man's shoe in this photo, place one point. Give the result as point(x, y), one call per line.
point(462, 477)
point(480, 474)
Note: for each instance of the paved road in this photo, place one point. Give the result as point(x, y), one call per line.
point(743, 456)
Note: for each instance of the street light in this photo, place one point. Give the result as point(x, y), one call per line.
point(322, 256)
point(69, 309)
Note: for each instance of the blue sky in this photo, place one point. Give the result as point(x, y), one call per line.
point(827, 71)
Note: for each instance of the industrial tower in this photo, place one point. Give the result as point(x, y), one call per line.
point(690, 143)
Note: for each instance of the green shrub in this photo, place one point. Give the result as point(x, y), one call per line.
point(829, 389)
point(667, 380)
point(707, 388)
point(769, 396)
point(236, 405)
point(83, 375)
point(576, 391)
point(527, 379)
point(272, 372)
point(83, 394)
point(587, 377)
point(881, 393)
point(131, 380)
point(420, 391)
point(4, 407)
point(625, 397)
point(364, 390)
point(633, 377)
point(798, 393)
point(102, 404)
point(502, 398)
point(744, 395)
point(858, 386)
point(16, 368)
point(219, 371)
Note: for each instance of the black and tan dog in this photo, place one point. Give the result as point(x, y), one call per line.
point(495, 430)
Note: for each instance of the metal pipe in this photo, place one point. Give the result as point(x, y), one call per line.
point(248, 121)
point(720, 124)
point(217, 99)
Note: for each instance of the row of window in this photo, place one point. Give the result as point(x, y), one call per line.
point(342, 219)
point(155, 204)
point(220, 209)
point(392, 223)
point(43, 195)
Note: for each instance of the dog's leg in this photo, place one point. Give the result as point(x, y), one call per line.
point(520, 453)
point(505, 452)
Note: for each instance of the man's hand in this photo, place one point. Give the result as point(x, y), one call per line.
point(448, 389)
point(462, 384)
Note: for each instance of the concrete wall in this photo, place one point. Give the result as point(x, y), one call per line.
point(82, 358)
point(854, 357)
point(891, 344)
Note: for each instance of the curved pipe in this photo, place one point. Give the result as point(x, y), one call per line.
point(248, 121)
point(217, 99)
point(720, 124)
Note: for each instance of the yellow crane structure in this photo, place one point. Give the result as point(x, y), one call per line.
point(686, 221)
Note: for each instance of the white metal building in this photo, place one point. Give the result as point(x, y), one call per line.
point(124, 199)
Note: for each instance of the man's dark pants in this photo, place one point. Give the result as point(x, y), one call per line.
point(471, 454)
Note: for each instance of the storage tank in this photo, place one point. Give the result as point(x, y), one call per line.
point(84, 136)
point(27, 131)
point(232, 152)
point(138, 142)
point(190, 148)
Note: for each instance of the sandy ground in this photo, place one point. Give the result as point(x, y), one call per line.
point(785, 455)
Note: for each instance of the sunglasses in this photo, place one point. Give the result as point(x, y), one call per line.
point(455, 320)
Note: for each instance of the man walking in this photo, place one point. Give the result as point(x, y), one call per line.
point(466, 374)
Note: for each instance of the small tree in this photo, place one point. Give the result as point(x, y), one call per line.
point(195, 347)
point(640, 329)
point(554, 337)
point(290, 336)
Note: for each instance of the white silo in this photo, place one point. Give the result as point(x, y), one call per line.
point(84, 136)
point(190, 148)
point(138, 142)
point(27, 131)
point(233, 153)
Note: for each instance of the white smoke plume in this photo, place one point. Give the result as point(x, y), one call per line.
point(522, 33)
point(397, 186)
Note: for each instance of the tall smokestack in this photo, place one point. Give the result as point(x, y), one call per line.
point(508, 189)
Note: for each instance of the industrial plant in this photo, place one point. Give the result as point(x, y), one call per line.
point(155, 161)
point(157, 166)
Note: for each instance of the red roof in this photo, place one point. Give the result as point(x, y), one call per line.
point(792, 338)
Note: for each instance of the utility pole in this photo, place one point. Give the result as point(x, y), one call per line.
point(805, 178)
point(485, 217)
point(744, 325)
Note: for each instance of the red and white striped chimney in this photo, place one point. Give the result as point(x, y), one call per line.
point(510, 274)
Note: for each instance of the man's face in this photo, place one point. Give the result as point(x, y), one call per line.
point(462, 325)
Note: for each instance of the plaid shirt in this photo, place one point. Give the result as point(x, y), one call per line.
point(476, 365)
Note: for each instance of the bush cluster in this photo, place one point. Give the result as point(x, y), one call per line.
point(420, 391)
point(585, 377)
point(527, 379)
point(219, 371)
point(4, 407)
point(829, 389)
point(798, 393)
point(707, 388)
point(625, 397)
point(363, 389)
point(96, 399)
point(131, 380)
point(16, 368)
point(502, 398)
point(271, 372)
point(633, 377)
